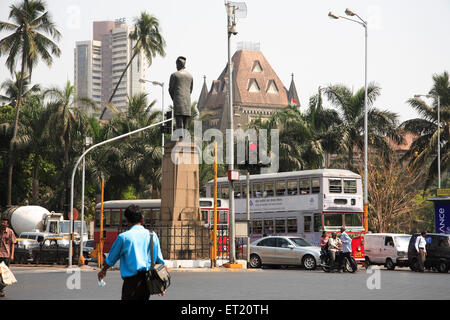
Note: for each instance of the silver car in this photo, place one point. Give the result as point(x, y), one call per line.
point(284, 250)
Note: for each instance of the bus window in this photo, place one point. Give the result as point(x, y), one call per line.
point(280, 225)
point(349, 186)
point(333, 219)
point(237, 190)
point(304, 186)
point(225, 192)
point(268, 189)
point(107, 215)
point(307, 220)
point(205, 216)
point(292, 187)
point(257, 226)
point(124, 220)
point(292, 225)
point(97, 218)
point(353, 219)
point(268, 227)
point(115, 220)
point(156, 215)
point(335, 185)
point(222, 216)
point(281, 188)
point(317, 222)
point(315, 185)
point(257, 190)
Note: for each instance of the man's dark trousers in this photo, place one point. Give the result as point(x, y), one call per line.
point(135, 287)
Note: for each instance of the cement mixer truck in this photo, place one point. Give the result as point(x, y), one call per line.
point(38, 219)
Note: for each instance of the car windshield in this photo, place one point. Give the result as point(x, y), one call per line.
point(402, 241)
point(299, 242)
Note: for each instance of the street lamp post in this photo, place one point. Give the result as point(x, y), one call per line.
point(232, 9)
point(77, 164)
point(364, 24)
point(161, 84)
point(437, 97)
point(87, 142)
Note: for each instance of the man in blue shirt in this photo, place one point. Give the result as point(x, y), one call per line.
point(346, 248)
point(133, 249)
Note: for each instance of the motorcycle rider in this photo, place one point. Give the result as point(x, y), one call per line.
point(333, 247)
point(324, 243)
point(346, 248)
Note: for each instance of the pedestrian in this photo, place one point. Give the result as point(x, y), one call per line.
point(333, 247)
point(7, 241)
point(324, 242)
point(420, 245)
point(133, 249)
point(346, 248)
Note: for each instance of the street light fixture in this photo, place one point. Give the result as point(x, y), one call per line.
point(364, 24)
point(161, 84)
point(438, 131)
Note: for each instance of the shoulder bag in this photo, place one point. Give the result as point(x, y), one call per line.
point(157, 278)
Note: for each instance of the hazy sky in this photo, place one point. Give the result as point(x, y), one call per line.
point(409, 41)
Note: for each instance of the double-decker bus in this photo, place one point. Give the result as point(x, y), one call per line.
point(114, 221)
point(300, 203)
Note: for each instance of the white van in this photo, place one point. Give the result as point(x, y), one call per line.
point(388, 249)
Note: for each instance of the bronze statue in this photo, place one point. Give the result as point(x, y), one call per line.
point(180, 89)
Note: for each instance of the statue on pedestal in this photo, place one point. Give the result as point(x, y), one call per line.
point(180, 89)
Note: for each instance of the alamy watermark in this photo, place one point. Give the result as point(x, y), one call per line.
point(374, 281)
point(252, 147)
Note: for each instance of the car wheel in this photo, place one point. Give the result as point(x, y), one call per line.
point(309, 262)
point(390, 264)
point(442, 267)
point(255, 261)
point(366, 262)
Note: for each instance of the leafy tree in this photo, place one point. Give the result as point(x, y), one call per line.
point(393, 192)
point(27, 43)
point(350, 133)
point(68, 127)
point(423, 151)
point(12, 87)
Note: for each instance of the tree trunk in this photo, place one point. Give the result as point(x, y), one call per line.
point(35, 188)
point(16, 125)
point(118, 83)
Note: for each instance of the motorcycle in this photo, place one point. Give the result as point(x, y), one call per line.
point(349, 264)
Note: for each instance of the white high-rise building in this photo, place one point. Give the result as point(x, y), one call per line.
point(99, 64)
point(88, 72)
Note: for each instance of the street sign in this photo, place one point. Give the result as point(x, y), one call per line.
point(233, 175)
point(443, 192)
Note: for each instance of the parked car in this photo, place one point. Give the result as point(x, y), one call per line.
point(284, 250)
point(23, 250)
point(438, 252)
point(55, 250)
point(388, 249)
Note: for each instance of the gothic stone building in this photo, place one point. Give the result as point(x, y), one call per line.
point(257, 91)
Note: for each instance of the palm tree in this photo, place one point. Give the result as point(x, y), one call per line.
point(323, 124)
point(11, 88)
point(423, 151)
point(136, 159)
point(27, 44)
point(68, 123)
point(147, 40)
point(350, 133)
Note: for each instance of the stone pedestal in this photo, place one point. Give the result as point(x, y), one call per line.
point(180, 228)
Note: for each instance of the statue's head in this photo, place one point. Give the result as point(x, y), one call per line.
point(181, 62)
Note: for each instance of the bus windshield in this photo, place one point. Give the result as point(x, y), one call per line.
point(333, 219)
point(353, 219)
